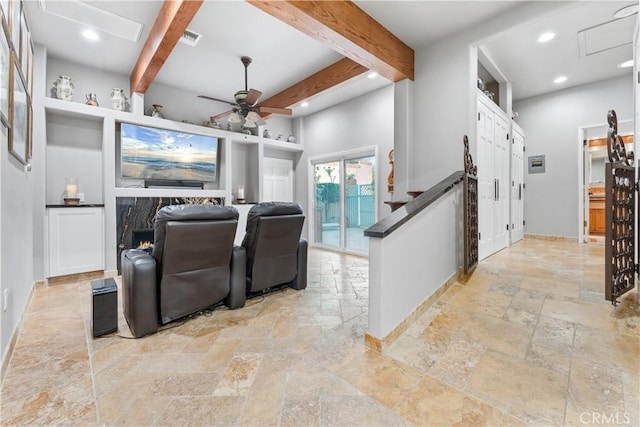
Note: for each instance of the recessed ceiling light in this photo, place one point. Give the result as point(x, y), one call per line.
point(560, 79)
point(626, 11)
point(545, 37)
point(372, 75)
point(626, 64)
point(304, 104)
point(90, 35)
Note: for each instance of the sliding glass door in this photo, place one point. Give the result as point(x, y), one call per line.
point(344, 200)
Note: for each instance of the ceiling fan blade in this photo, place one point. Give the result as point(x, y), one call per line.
point(216, 99)
point(252, 96)
point(221, 115)
point(273, 110)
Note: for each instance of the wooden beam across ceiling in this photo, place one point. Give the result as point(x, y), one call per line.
point(347, 29)
point(324, 79)
point(173, 18)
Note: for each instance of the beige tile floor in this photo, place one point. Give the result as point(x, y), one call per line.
point(527, 339)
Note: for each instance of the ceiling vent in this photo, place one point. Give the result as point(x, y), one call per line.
point(606, 36)
point(190, 37)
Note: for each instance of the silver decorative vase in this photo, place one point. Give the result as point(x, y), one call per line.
point(64, 88)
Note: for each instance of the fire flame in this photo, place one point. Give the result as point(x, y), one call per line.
point(145, 244)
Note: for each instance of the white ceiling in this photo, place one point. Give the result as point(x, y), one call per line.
point(531, 66)
point(282, 56)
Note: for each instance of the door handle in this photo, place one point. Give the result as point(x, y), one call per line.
point(495, 189)
point(519, 191)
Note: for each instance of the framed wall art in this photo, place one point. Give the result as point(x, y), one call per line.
point(5, 73)
point(14, 24)
point(21, 106)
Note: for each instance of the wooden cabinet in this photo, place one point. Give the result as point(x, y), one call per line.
point(596, 217)
point(75, 240)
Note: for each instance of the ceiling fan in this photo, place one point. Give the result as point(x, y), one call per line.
point(245, 104)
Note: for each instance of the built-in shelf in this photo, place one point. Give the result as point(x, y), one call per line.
point(282, 145)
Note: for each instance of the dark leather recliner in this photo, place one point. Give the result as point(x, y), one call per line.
point(194, 265)
point(275, 253)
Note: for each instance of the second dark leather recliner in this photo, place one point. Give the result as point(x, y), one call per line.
point(194, 265)
point(275, 253)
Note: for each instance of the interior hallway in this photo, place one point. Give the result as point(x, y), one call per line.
point(528, 339)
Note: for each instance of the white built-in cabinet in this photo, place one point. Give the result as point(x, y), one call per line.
point(277, 180)
point(75, 240)
point(517, 183)
point(493, 154)
point(81, 143)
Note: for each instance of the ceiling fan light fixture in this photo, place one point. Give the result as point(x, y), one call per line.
point(249, 124)
point(234, 118)
point(253, 117)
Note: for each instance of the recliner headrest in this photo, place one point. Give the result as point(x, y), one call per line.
point(273, 209)
point(196, 212)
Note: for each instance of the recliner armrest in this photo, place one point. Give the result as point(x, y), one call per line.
point(139, 292)
point(300, 282)
point(237, 291)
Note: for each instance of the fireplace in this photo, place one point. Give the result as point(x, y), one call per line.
point(142, 239)
point(137, 214)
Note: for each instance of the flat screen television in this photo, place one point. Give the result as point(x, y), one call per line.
point(160, 154)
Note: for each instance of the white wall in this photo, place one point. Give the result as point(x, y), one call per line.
point(361, 122)
point(551, 124)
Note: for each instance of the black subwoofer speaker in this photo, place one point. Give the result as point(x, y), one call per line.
point(105, 306)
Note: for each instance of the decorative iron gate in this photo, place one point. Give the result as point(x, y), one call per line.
point(470, 213)
point(620, 215)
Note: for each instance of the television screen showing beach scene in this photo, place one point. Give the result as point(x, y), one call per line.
point(152, 153)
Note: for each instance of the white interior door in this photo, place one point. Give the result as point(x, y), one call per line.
point(517, 186)
point(501, 163)
point(486, 180)
point(277, 180)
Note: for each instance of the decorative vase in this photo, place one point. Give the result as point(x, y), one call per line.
point(92, 99)
point(157, 111)
point(291, 138)
point(118, 99)
point(266, 133)
point(64, 88)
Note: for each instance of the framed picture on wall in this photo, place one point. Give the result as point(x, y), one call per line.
point(14, 25)
point(5, 73)
point(4, 10)
point(4, 132)
point(19, 131)
point(24, 43)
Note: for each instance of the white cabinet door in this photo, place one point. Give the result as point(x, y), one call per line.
point(486, 180)
point(501, 173)
point(517, 184)
point(76, 240)
point(493, 179)
point(277, 180)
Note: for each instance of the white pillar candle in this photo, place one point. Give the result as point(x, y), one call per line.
point(240, 192)
point(71, 191)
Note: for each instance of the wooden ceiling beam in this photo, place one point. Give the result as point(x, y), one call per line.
point(324, 79)
point(172, 20)
point(347, 29)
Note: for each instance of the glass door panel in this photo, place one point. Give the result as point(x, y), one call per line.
point(327, 215)
point(359, 201)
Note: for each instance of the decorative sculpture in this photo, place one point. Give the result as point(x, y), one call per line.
point(390, 179)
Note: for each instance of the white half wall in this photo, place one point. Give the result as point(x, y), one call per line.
point(551, 123)
point(411, 263)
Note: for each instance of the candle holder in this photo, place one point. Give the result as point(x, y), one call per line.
point(71, 192)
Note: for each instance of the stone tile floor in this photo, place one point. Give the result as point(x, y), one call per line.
point(527, 339)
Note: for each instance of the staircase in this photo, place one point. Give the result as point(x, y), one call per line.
point(395, 204)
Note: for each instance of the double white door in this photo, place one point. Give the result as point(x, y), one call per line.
point(277, 180)
point(493, 180)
